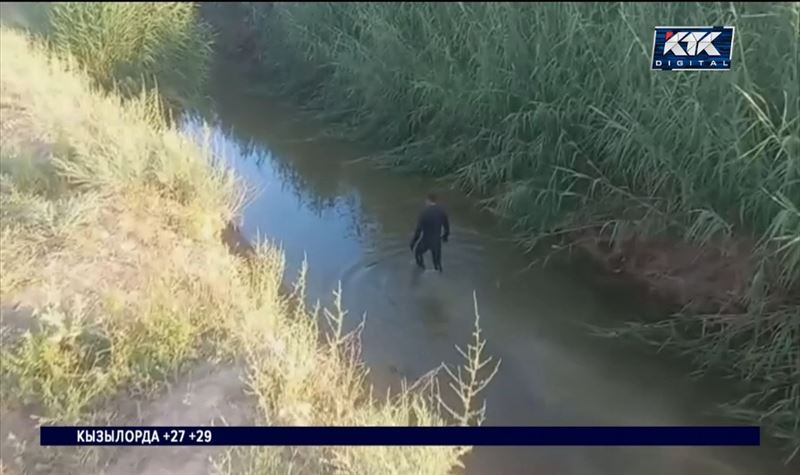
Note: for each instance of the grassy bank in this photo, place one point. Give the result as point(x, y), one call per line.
point(116, 287)
point(550, 115)
point(126, 46)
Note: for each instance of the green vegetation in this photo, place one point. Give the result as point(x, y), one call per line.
point(549, 112)
point(126, 45)
point(116, 285)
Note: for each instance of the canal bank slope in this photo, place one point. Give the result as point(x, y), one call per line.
point(121, 305)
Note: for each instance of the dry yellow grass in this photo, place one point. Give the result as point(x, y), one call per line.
point(115, 284)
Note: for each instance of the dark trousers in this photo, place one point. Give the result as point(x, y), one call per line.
point(436, 251)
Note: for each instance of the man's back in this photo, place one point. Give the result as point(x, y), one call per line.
point(432, 222)
point(433, 227)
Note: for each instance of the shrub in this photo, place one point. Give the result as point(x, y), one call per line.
point(123, 43)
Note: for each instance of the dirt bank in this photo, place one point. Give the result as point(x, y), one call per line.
point(715, 277)
point(696, 279)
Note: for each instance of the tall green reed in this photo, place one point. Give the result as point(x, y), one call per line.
point(122, 44)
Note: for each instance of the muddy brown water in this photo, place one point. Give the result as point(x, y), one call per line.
point(353, 223)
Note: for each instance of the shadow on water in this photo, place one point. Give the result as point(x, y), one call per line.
point(353, 224)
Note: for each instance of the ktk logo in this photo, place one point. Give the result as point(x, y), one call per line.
point(692, 48)
point(696, 43)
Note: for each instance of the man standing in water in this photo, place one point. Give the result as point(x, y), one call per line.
point(433, 227)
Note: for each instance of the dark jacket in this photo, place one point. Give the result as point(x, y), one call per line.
point(432, 226)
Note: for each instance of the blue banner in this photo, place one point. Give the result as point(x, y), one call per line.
point(402, 436)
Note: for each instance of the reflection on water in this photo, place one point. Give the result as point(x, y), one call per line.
point(354, 225)
point(265, 169)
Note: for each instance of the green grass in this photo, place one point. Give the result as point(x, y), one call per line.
point(127, 45)
point(550, 114)
point(72, 156)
